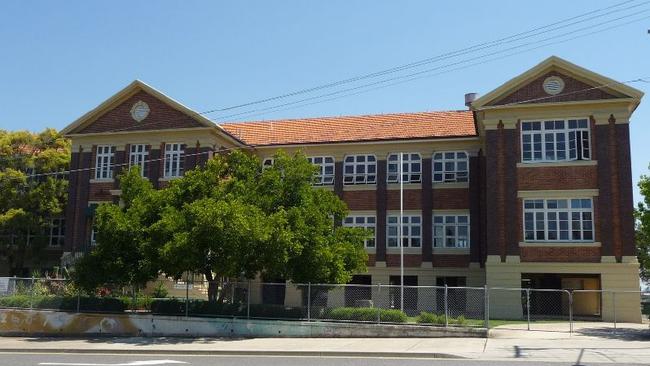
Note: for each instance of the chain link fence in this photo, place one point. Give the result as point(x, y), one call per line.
point(510, 308)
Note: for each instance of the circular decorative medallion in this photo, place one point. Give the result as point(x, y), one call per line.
point(140, 111)
point(553, 85)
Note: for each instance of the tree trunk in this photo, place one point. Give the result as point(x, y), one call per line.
point(213, 287)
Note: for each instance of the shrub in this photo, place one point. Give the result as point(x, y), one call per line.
point(460, 320)
point(203, 307)
point(365, 314)
point(66, 303)
point(430, 318)
point(160, 291)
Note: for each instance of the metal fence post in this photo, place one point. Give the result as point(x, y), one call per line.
point(614, 308)
point(528, 307)
point(31, 295)
point(570, 312)
point(248, 301)
point(78, 300)
point(446, 306)
point(187, 297)
point(309, 301)
point(486, 307)
point(378, 307)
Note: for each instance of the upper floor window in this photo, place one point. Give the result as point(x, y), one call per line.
point(367, 222)
point(360, 169)
point(558, 220)
point(173, 160)
point(57, 232)
point(451, 166)
point(555, 140)
point(451, 231)
point(104, 162)
point(138, 157)
point(411, 168)
point(267, 163)
point(325, 165)
point(411, 231)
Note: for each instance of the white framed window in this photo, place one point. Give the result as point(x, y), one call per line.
point(325, 174)
point(450, 231)
point(360, 169)
point(450, 166)
point(138, 155)
point(93, 236)
point(104, 161)
point(562, 220)
point(555, 140)
point(411, 231)
point(411, 168)
point(57, 232)
point(267, 163)
point(367, 222)
point(173, 160)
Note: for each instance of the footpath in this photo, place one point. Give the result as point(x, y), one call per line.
point(548, 342)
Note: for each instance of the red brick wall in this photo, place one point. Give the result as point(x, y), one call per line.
point(161, 116)
point(371, 260)
point(451, 260)
point(575, 90)
point(561, 177)
point(560, 254)
point(451, 199)
point(412, 199)
point(410, 260)
point(360, 200)
point(100, 191)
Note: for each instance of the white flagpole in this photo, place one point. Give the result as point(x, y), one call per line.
point(401, 232)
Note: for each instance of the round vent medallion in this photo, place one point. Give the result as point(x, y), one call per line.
point(553, 85)
point(140, 111)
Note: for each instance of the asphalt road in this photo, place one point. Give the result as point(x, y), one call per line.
point(41, 359)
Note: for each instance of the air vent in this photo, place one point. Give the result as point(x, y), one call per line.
point(553, 85)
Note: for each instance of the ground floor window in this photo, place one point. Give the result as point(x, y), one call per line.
point(410, 293)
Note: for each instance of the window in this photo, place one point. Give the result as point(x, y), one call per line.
point(360, 169)
point(138, 157)
point(451, 231)
point(556, 140)
point(93, 235)
point(411, 231)
point(558, 220)
point(367, 222)
point(57, 232)
point(450, 167)
point(267, 163)
point(173, 160)
point(104, 162)
point(411, 168)
point(325, 174)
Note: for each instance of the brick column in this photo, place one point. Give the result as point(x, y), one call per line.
point(626, 202)
point(83, 187)
point(381, 211)
point(475, 179)
point(338, 178)
point(604, 207)
point(71, 210)
point(427, 207)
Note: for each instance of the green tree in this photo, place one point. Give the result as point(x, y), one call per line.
point(123, 255)
point(32, 192)
point(642, 215)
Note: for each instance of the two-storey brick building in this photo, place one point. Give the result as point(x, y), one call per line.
point(529, 187)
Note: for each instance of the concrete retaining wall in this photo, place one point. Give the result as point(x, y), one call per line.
point(53, 323)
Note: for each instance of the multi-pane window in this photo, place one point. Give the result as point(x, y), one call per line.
point(325, 173)
point(451, 231)
point(173, 160)
point(138, 157)
point(57, 232)
point(104, 162)
point(267, 163)
point(451, 166)
point(367, 222)
point(555, 140)
point(411, 168)
point(558, 220)
point(411, 231)
point(360, 169)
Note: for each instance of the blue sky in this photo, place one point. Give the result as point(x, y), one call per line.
point(61, 59)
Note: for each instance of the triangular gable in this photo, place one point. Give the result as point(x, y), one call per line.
point(116, 114)
point(579, 84)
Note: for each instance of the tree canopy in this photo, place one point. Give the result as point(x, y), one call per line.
point(31, 193)
point(642, 214)
point(228, 219)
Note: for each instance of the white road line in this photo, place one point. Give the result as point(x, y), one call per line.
point(134, 363)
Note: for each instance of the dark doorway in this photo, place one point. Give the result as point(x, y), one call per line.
point(359, 296)
point(273, 292)
point(410, 294)
point(456, 298)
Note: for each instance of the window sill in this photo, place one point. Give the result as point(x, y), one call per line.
point(460, 251)
point(396, 186)
point(546, 244)
point(360, 187)
point(167, 179)
point(371, 250)
point(410, 250)
point(327, 187)
point(558, 163)
point(450, 185)
point(103, 180)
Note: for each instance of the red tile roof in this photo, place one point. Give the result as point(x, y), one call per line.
point(394, 126)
